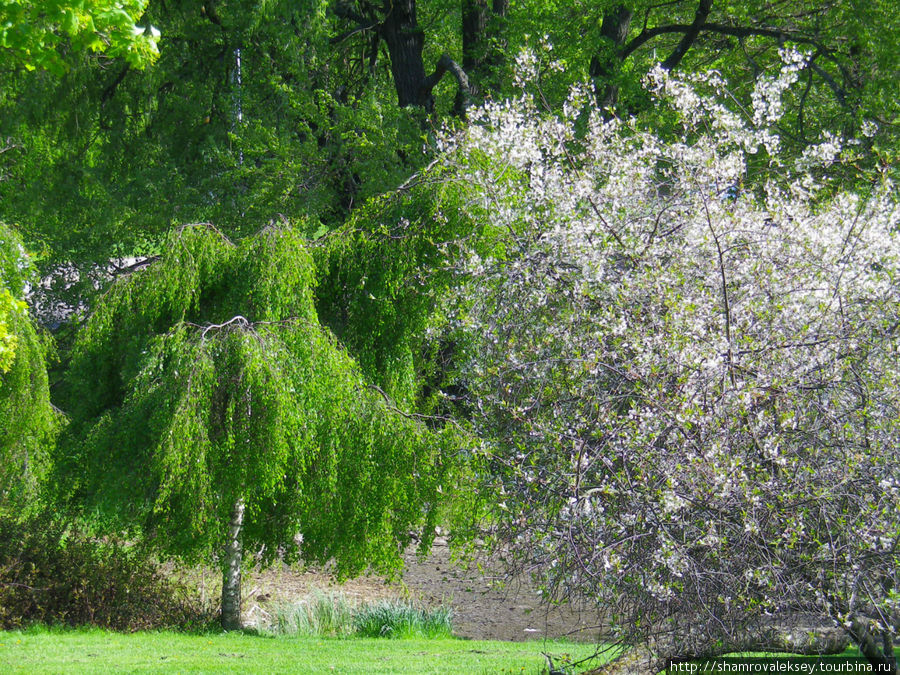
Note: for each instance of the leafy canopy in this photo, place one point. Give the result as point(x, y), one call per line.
point(206, 378)
point(32, 32)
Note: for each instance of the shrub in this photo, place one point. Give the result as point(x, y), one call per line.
point(52, 574)
point(683, 366)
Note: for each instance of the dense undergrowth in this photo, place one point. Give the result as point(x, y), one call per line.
point(53, 574)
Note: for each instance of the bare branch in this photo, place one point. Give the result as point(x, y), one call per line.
point(344, 11)
point(419, 417)
point(362, 28)
point(722, 29)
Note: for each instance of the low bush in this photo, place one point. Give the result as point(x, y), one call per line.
point(52, 574)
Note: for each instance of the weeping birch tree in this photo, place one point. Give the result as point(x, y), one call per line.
point(213, 414)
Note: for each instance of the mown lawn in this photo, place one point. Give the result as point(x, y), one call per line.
point(97, 651)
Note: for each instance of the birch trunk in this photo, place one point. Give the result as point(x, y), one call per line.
point(231, 570)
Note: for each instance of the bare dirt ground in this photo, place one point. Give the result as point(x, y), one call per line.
point(481, 608)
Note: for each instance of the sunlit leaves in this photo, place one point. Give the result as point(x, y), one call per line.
point(27, 421)
point(32, 32)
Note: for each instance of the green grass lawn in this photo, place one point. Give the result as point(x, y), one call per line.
point(97, 651)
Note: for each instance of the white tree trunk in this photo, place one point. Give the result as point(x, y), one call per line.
point(231, 570)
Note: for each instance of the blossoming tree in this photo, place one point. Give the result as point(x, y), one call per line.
point(684, 364)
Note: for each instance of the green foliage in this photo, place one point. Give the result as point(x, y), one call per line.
point(27, 421)
point(8, 306)
point(206, 378)
point(381, 278)
point(247, 114)
point(12, 264)
point(33, 33)
point(255, 110)
point(52, 575)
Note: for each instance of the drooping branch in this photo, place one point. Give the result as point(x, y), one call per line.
point(419, 417)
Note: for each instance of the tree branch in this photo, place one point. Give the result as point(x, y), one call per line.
point(839, 92)
point(111, 88)
point(419, 417)
point(216, 326)
point(692, 31)
point(722, 29)
point(346, 12)
point(689, 36)
point(361, 28)
point(444, 65)
point(9, 145)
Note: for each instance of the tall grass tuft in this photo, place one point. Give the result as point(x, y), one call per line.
point(402, 619)
point(324, 614)
point(319, 614)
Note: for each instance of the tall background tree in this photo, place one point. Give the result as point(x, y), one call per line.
point(308, 110)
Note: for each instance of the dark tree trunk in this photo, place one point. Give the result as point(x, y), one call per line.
point(881, 657)
point(405, 41)
point(482, 47)
point(606, 63)
point(474, 25)
point(690, 35)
